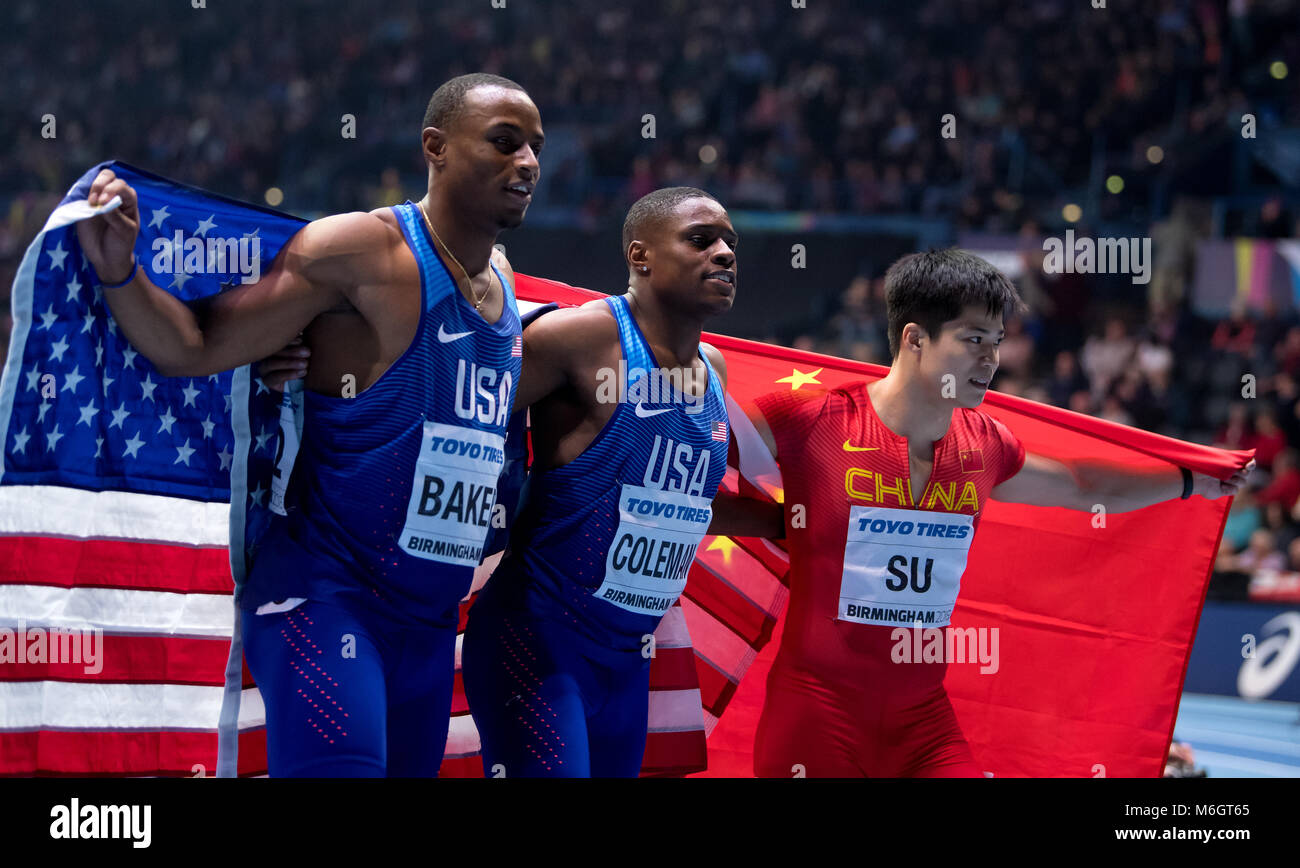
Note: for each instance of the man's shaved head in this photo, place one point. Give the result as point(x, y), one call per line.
point(448, 101)
point(653, 208)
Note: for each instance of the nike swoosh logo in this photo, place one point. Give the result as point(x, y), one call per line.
point(448, 338)
point(848, 447)
point(643, 413)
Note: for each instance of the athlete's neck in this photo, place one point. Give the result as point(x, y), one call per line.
point(665, 329)
point(472, 246)
point(906, 408)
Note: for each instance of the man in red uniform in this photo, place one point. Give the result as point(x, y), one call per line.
point(893, 476)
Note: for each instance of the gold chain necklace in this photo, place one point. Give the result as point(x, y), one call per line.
point(434, 233)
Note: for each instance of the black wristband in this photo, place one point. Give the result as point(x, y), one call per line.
point(1187, 482)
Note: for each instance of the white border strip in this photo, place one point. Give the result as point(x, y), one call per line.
point(676, 711)
point(101, 707)
point(116, 611)
point(74, 513)
point(23, 288)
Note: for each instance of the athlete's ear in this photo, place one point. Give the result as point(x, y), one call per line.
point(911, 337)
point(434, 143)
point(638, 257)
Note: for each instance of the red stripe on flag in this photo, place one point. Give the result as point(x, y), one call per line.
point(673, 669)
point(673, 753)
point(68, 563)
point(52, 753)
point(133, 659)
point(716, 689)
point(711, 593)
point(461, 767)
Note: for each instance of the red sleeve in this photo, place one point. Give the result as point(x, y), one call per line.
point(1013, 451)
point(791, 415)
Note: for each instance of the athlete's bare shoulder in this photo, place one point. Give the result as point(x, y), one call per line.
point(503, 264)
point(346, 249)
point(585, 325)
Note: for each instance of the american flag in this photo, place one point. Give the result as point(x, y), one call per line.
point(517, 349)
point(720, 432)
point(115, 493)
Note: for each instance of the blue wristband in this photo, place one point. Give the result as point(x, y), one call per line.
point(135, 266)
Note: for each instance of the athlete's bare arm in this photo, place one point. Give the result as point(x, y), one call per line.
point(330, 263)
point(293, 360)
point(1083, 484)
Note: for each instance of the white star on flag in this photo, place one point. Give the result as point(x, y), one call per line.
point(57, 255)
point(148, 386)
point(72, 380)
point(119, 416)
point(52, 439)
point(74, 288)
point(205, 225)
point(87, 413)
point(167, 420)
point(133, 446)
point(190, 394)
point(20, 441)
point(57, 349)
point(184, 453)
point(159, 215)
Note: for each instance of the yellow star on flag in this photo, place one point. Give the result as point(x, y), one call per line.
point(724, 544)
point(799, 378)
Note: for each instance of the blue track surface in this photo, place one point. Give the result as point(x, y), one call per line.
point(1237, 738)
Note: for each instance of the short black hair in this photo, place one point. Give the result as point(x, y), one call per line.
point(654, 207)
point(448, 101)
point(933, 288)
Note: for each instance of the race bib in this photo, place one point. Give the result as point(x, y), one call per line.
point(286, 449)
point(902, 566)
point(653, 549)
point(452, 494)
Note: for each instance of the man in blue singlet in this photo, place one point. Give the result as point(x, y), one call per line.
point(349, 614)
point(629, 428)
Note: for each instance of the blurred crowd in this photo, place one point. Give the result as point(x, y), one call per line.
point(836, 107)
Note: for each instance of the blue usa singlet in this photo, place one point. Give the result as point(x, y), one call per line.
point(604, 543)
point(392, 492)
